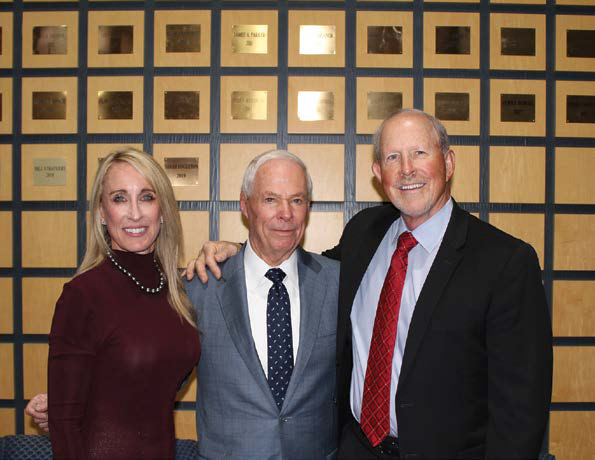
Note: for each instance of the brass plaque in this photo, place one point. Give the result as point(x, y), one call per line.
point(318, 40)
point(249, 105)
point(50, 40)
point(49, 105)
point(115, 39)
point(182, 105)
point(316, 105)
point(517, 107)
point(182, 38)
point(452, 106)
point(182, 170)
point(453, 40)
point(580, 43)
point(382, 104)
point(580, 109)
point(114, 105)
point(249, 39)
point(49, 171)
point(385, 40)
point(517, 41)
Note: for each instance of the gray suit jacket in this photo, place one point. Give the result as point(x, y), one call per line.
point(236, 415)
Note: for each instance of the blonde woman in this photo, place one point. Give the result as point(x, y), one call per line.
point(123, 337)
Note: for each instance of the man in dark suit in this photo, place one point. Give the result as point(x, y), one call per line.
point(444, 336)
point(470, 374)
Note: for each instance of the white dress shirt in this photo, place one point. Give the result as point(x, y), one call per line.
point(257, 287)
point(429, 236)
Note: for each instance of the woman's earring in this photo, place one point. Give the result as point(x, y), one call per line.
point(161, 220)
point(102, 221)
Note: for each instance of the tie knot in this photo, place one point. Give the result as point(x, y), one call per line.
point(406, 241)
point(276, 275)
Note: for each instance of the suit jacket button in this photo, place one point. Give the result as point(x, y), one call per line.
point(283, 419)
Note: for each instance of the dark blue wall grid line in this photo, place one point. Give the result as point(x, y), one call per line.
point(349, 138)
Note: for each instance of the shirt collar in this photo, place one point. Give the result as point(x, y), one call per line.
point(430, 233)
point(256, 268)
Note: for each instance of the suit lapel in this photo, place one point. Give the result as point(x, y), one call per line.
point(447, 259)
point(234, 306)
point(312, 293)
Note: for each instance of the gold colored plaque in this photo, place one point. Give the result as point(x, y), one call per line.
point(382, 104)
point(249, 105)
point(517, 41)
point(114, 105)
point(316, 105)
point(182, 105)
point(115, 39)
point(517, 107)
point(318, 39)
point(49, 105)
point(50, 40)
point(182, 170)
point(385, 40)
point(49, 171)
point(249, 39)
point(453, 40)
point(452, 106)
point(182, 38)
point(580, 43)
point(580, 109)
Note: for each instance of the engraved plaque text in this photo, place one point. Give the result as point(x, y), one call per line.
point(182, 170)
point(49, 171)
point(452, 106)
point(382, 104)
point(316, 105)
point(249, 105)
point(517, 41)
point(453, 40)
point(182, 105)
point(249, 39)
point(115, 39)
point(580, 43)
point(517, 107)
point(385, 40)
point(182, 38)
point(580, 109)
point(49, 105)
point(50, 40)
point(318, 39)
point(114, 105)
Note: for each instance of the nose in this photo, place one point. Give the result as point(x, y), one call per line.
point(285, 212)
point(134, 211)
point(407, 167)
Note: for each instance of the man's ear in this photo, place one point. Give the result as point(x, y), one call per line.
point(377, 170)
point(244, 204)
point(449, 160)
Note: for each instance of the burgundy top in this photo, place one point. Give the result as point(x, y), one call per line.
point(117, 358)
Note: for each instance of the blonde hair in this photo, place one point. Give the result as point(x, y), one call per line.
point(169, 241)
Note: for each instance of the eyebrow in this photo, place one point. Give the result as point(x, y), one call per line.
point(121, 190)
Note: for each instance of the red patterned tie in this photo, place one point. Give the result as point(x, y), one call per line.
point(375, 416)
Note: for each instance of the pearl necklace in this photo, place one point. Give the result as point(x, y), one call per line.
point(156, 290)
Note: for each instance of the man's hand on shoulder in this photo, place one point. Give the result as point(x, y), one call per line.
point(38, 409)
point(211, 254)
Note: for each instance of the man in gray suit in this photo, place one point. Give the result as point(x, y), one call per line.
point(266, 375)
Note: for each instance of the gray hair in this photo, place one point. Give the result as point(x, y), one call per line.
point(436, 124)
point(258, 161)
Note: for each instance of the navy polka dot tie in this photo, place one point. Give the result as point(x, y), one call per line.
point(280, 343)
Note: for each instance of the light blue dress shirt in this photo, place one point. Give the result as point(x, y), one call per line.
point(429, 236)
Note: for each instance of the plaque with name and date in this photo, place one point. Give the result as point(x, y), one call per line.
point(182, 105)
point(517, 41)
point(50, 39)
point(517, 107)
point(385, 40)
point(453, 40)
point(249, 39)
point(49, 172)
point(114, 105)
point(382, 104)
point(6, 35)
point(182, 38)
point(580, 43)
point(249, 105)
point(318, 39)
point(115, 39)
point(316, 105)
point(452, 106)
point(49, 105)
point(580, 108)
point(181, 170)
